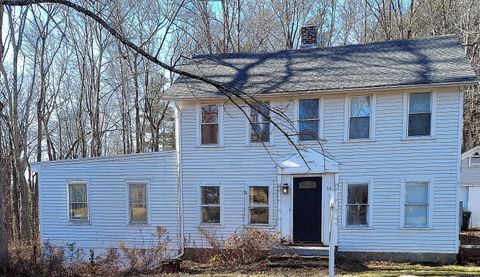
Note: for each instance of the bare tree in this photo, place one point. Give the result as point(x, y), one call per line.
point(3, 185)
point(92, 82)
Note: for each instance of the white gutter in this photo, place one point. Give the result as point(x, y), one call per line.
point(178, 146)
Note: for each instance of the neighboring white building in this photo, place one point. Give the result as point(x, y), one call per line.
point(389, 118)
point(471, 185)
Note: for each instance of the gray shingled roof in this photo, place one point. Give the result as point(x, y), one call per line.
point(435, 60)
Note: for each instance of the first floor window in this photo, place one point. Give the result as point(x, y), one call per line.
point(210, 204)
point(416, 204)
point(138, 203)
point(258, 205)
point(209, 124)
point(419, 114)
point(360, 111)
point(78, 201)
point(260, 122)
point(357, 205)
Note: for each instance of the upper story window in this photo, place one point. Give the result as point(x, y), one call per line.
point(258, 205)
point(210, 204)
point(78, 202)
point(209, 124)
point(416, 204)
point(419, 114)
point(138, 203)
point(360, 111)
point(308, 119)
point(357, 205)
point(260, 122)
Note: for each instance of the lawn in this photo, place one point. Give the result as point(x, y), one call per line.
point(351, 269)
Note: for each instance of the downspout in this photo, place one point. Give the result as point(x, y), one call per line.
point(178, 146)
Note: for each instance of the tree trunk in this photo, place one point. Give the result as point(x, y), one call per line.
point(3, 206)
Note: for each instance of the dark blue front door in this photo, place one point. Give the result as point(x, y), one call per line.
point(307, 209)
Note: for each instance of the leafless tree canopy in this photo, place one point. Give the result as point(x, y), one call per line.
point(71, 87)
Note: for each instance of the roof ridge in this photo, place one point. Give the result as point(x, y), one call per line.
point(202, 56)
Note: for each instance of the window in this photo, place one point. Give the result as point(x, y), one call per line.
point(308, 119)
point(416, 204)
point(475, 161)
point(360, 110)
point(258, 205)
point(419, 114)
point(357, 205)
point(138, 203)
point(78, 201)
point(210, 205)
point(209, 124)
point(260, 122)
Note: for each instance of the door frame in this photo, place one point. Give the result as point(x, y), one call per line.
point(324, 202)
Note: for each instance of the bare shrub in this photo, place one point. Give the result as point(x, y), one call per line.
point(70, 261)
point(251, 245)
point(105, 265)
point(145, 260)
point(27, 260)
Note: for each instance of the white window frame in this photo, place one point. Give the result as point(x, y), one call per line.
point(200, 204)
point(406, 113)
point(77, 182)
point(199, 125)
point(370, 184)
point(127, 200)
point(321, 117)
point(269, 205)
point(249, 127)
point(429, 182)
point(470, 164)
point(348, 112)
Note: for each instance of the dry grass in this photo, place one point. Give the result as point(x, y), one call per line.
point(28, 262)
point(380, 269)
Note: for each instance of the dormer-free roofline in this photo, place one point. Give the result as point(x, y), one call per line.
point(339, 91)
point(426, 62)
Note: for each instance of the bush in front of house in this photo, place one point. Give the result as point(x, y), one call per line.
point(70, 261)
point(248, 246)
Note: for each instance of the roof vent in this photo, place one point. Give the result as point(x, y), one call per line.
point(309, 36)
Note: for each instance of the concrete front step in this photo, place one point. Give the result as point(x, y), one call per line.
point(299, 251)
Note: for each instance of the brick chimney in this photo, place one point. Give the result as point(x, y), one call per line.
point(309, 36)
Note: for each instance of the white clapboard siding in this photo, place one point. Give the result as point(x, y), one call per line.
point(471, 187)
point(470, 174)
point(386, 161)
point(107, 180)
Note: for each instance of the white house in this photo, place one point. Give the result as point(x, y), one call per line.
point(470, 184)
point(380, 131)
